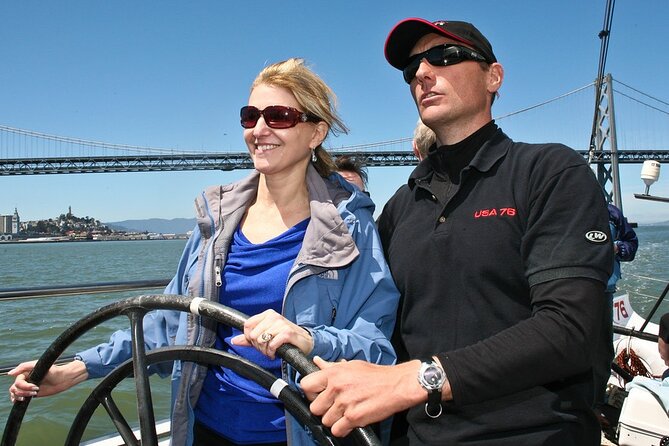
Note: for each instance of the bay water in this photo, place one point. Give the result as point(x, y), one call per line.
point(28, 326)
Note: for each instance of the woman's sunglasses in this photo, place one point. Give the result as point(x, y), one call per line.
point(276, 116)
point(440, 56)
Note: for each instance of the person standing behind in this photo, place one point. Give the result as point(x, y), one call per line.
point(353, 170)
point(423, 139)
point(663, 342)
point(293, 244)
point(501, 252)
point(625, 245)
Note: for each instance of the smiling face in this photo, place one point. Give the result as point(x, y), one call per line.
point(453, 100)
point(280, 151)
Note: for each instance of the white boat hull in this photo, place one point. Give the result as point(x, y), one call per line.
point(643, 419)
point(162, 429)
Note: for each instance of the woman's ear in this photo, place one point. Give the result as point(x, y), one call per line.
point(320, 133)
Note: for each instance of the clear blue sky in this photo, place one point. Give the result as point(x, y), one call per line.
point(175, 73)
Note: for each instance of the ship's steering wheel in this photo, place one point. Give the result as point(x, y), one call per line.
point(135, 308)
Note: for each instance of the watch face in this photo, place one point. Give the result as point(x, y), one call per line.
point(432, 375)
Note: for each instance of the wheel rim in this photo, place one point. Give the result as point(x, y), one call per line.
point(135, 308)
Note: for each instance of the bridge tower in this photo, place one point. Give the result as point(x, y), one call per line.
point(604, 139)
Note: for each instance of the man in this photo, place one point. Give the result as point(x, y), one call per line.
point(353, 171)
point(663, 342)
point(501, 252)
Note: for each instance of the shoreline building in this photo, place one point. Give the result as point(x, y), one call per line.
point(10, 224)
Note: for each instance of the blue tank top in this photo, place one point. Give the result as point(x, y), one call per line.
point(254, 280)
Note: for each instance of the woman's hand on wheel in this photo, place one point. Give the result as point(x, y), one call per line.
point(269, 330)
point(57, 379)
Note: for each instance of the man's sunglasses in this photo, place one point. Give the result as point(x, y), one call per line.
point(276, 116)
point(441, 56)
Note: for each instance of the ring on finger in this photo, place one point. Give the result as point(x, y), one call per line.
point(266, 337)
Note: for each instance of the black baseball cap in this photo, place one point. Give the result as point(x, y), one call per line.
point(406, 33)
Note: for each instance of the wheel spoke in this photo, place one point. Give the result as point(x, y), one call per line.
point(122, 426)
point(147, 419)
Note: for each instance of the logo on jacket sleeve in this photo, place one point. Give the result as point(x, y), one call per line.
point(596, 236)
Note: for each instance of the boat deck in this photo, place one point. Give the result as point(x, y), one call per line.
point(606, 442)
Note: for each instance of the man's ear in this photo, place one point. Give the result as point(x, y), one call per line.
point(495, 77)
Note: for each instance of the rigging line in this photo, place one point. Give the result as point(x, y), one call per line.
point(545, 102)
point(642, 93)
point(604, 35)
point(603, 51)
point(641, 102)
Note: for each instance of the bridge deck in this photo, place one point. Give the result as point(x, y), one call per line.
point(240, 160)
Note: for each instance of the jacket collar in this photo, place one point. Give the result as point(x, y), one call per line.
point(494, 149)
point(327, 241)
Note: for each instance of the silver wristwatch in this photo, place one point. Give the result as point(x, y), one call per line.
point(431, 377)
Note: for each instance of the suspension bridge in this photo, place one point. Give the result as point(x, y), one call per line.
point(633, 131)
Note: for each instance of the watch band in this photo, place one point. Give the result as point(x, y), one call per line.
point(433, 407)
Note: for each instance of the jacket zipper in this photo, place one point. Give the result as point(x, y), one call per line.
point(217, 272)
point(198, 319)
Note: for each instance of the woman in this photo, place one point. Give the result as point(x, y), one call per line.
point(295, 245)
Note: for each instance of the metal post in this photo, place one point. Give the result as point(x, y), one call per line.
point(615, 171)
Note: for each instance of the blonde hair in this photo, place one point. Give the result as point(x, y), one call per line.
point(314, 97)
point(423, 138)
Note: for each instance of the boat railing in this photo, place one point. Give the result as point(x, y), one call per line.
point(75, 290)
point(86, 288)
point(117, 287)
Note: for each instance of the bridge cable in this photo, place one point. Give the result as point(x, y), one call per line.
point(642, 93)
point(88, 143)
point(497, 118)
point(640, 102)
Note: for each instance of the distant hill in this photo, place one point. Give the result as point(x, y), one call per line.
point(159, 225)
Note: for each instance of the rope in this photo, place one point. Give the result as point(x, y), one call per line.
point(629, 361)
